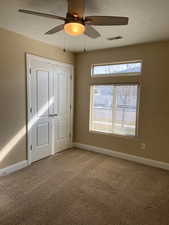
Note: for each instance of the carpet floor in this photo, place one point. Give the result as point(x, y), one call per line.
point(82, 188)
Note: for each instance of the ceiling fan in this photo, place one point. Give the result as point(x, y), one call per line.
point(75, 23)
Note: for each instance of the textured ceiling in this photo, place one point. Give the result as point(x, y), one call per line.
point(149, 21)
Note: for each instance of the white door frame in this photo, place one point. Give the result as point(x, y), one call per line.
point(30, 57)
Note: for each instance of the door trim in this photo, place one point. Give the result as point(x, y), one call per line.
point(30, 57)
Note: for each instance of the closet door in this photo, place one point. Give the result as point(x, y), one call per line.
point(62, 107)
point(41, 109)
point(49, 113)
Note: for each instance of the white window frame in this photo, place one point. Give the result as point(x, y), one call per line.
point(116, 74)
point(137, 110)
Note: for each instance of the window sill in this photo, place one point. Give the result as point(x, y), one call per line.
point(130, 137)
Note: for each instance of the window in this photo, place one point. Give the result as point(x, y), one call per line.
point(114, 109)
point(132, 68)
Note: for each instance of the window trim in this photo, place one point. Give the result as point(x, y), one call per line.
point(136, 136)
point(117, 74)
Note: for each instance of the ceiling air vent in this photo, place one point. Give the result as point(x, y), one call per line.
point(114, 38)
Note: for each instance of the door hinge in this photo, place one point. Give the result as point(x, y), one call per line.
point(31, 147)
point(30, 109)
point(70, 107)
point(30, 70)
point(71, 77)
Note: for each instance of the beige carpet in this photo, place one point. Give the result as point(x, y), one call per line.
point(82, 188)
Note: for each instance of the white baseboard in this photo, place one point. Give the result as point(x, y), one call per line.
point(20, 165)
point(138, 159)
point(10, 169)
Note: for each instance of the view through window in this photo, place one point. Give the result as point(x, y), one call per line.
point(132, 68)
point(114, 109)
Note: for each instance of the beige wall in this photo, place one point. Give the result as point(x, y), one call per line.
point(13, 89)
point(154, 106)
point(154, 100)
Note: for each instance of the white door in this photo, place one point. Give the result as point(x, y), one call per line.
point(62, 107)
point(49, 99)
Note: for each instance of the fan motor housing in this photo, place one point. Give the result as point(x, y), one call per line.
point(74, 18)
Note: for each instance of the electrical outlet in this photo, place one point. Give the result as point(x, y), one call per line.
point(143, 146)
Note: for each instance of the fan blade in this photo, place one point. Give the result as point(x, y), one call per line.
point(106, 20)
point(41, 14)
point(91, 32)
point(56, 29)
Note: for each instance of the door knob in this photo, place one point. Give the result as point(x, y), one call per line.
point(53, 115)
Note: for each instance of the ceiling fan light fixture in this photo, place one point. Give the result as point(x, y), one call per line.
point(74, 28)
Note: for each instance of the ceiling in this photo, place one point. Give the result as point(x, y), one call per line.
point(148, 21)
